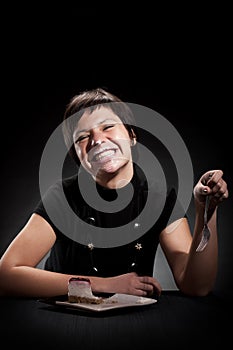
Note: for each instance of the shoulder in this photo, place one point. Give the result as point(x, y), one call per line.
point(66, 184)
point(69, 183)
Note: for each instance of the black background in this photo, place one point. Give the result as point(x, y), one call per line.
point(175, 60)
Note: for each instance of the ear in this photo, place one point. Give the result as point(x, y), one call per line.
point(134, 138)
point(133, 141)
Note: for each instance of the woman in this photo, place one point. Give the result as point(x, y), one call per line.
point(100, 134)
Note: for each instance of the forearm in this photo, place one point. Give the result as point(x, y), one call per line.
point(33, 282)
point(199, 274)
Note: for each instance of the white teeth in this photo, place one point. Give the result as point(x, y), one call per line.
point(103, 154)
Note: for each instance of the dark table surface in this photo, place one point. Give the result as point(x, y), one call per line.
point(175, 321)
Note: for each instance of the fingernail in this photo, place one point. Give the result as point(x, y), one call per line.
point(205, 190)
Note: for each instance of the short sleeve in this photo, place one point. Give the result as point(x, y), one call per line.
point(51, 207)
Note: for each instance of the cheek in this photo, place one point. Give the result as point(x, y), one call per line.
point(124, 141)
point(79, 152)
point(122, 136)
point(83, 157)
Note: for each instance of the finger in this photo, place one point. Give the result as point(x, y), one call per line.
point(221, 195)
point(207, 176)
point(144, 284)
point(146, 280)
point(140, 293)
point(148, 290)
point(219, 188)
point(146, 287)
point(214, 177)
point(224, 196)
point(137, 291)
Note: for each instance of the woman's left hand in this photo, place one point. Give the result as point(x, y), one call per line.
point(211, 183)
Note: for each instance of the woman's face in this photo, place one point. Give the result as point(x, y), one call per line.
point(102, 142)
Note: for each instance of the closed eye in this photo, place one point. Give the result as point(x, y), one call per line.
point(81, 138)
point(84, 137)
point(106, 127)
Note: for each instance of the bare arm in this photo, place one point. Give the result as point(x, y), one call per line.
point(18, 273)
point(20, 277)
point(195, 272)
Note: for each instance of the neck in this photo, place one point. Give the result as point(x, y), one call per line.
point(118, 179)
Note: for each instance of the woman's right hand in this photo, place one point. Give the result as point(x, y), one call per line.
point(131, 283)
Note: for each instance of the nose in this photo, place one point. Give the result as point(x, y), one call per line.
point(96, 138)
point(95, 142)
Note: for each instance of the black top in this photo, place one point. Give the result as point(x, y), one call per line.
point(73, 251)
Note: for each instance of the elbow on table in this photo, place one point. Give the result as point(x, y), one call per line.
point(195, 287)
point(195, 291)
point(5, 279)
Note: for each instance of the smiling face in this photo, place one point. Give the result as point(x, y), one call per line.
point(103, 145)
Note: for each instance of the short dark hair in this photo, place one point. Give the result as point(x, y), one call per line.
point(91, 100)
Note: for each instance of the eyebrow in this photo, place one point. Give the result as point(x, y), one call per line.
point(102, 122)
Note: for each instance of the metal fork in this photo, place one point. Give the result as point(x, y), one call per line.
point(206, 231)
